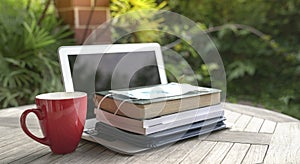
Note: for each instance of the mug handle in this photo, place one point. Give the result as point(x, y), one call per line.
point(38, 113)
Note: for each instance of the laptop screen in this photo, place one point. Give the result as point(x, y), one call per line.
point(112, 71)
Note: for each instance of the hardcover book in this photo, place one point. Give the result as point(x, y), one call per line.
point(146, 127)
point(150, 102)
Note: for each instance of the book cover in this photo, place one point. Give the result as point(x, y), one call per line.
point(149, 126)
point(150, 102)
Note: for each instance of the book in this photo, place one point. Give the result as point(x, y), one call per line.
point(150, 102)
point(146, 123)
point(161, 138)
point(149, 126)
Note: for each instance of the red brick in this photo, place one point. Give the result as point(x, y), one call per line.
point(79, 34)
point(102, 3)
point(67, 16)
point(82, 3)
point(103, 38)
point(63, 3)
point(98, 17)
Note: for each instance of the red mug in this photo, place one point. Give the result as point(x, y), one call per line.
point(61, 116)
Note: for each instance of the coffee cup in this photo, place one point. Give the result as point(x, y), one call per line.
point(61, 117)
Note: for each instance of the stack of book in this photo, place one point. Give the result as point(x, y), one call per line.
point(158, 115)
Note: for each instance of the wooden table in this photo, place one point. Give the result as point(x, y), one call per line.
point(256, 136)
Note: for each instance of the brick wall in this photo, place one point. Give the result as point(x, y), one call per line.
point(77, 13)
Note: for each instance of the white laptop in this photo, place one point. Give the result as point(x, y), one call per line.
point(93, 68)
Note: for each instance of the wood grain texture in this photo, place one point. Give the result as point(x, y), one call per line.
point(169, 154)
point(7, 133)
point(181, 150)
point(236, 153)
point(231, 117)
point(115, 159)
point(199, 152)
point(268, 127)
point(17, 151)
point(217, 154)
point(241, 123)
point(50, 157)
point(242, 145)
point(240, 137)
point(259, 112)
point(254, 125)
point(13, 121)
point(255, 154)
point(15, 111)
point(101, 156)
point(76, 155)
point(285, 144)
point(32, 156)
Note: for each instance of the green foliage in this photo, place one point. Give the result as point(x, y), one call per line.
point(134, 17)
point(188, 67)
point(127, 13)
point(259, 44)
point(28, 55)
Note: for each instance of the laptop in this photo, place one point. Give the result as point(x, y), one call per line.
point(94, 68)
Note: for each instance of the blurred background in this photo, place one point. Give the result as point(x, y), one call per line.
point(258, 41)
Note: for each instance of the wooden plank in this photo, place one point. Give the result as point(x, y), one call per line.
point(162, 153)
point(159, 154)
point(11, 142)
point(14, 111)
point(13, 137)
point(19, 151)
point(6, 132)
point(231, 117)
point(217, 154)
point(32, 156)
point(284, 146)
point(241, 123)
point(182, 150)
point(88, 154)
point(268, 127)
point(142, 156)
point(51, 157)
point(199, 152)
point(117, 158)
point(240, 137)
point(91, 155)
point(254, 125)
point(77, 153)
point(236, 153)
point(172, 152)
point(18, 148)
point(104, 155)
point(259, 112)
point(255, 154)
point(166, 153)
point(3, 129)
point(14, 122)
point(27, 152)
point(19, 154)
